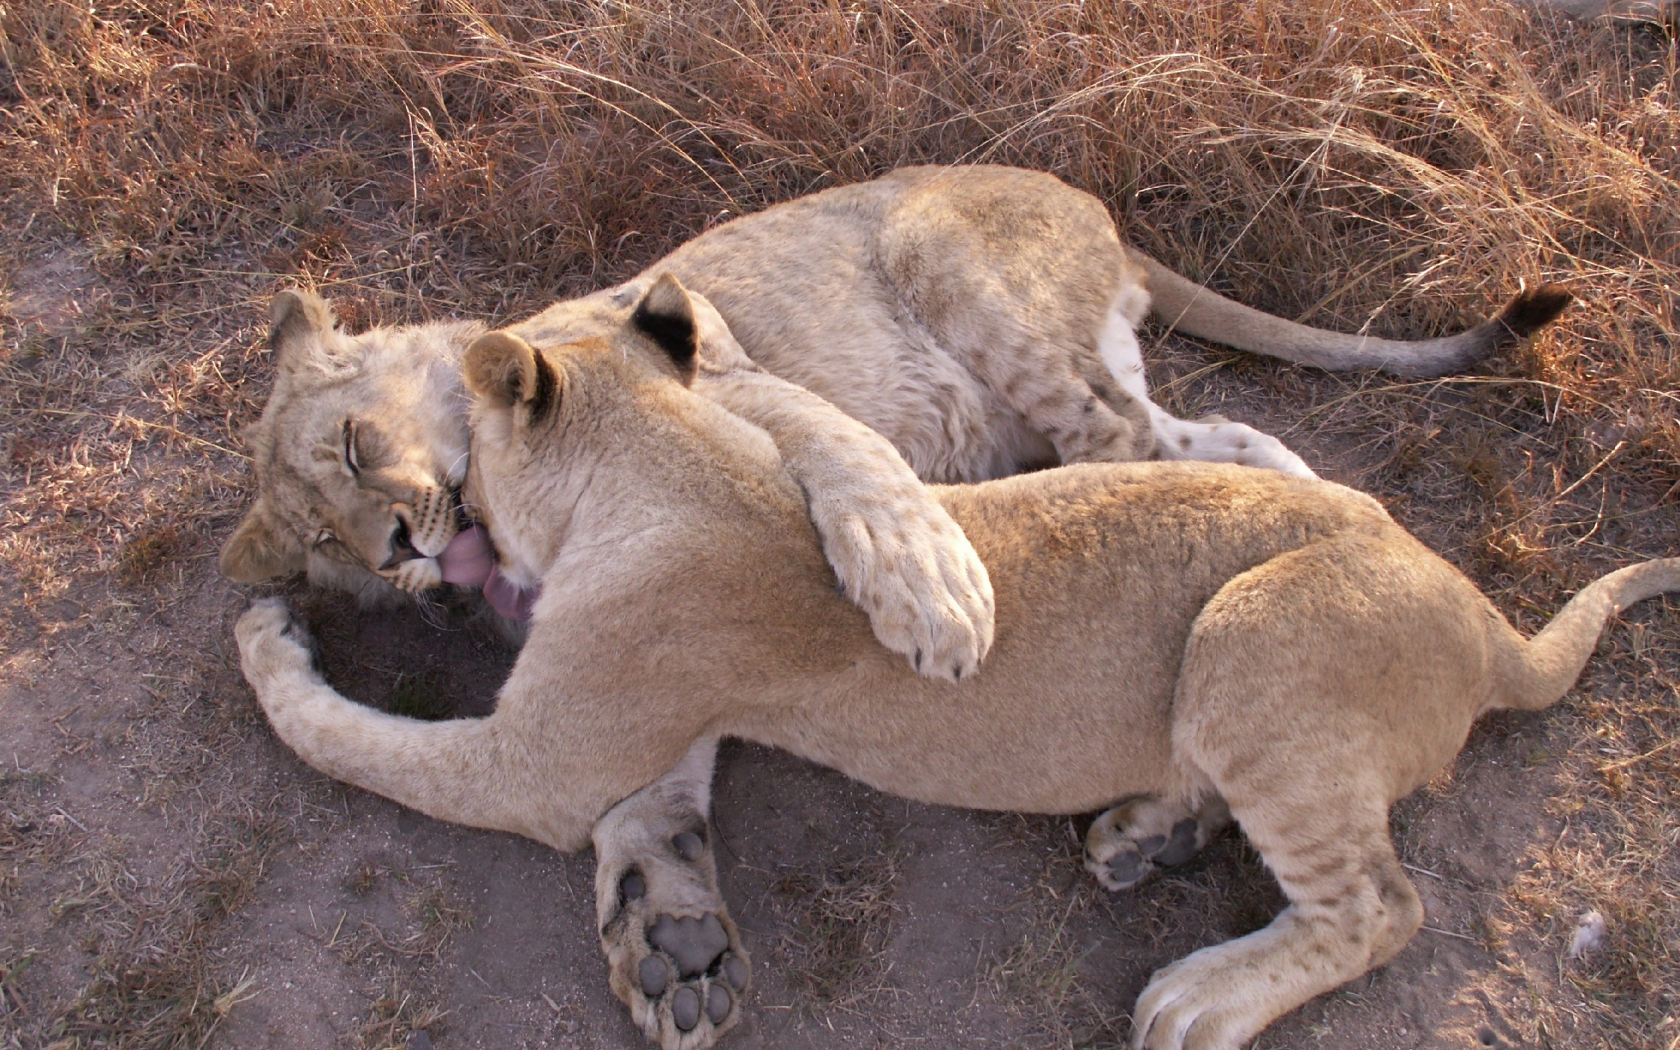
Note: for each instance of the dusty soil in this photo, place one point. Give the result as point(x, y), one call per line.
point(173, 874)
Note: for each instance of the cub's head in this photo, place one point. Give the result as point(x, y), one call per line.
point(358, 454)
point(605, 412)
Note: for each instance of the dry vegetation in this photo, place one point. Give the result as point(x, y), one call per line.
point(1396, 165)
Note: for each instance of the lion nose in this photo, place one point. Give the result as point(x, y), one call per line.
point(402, 546)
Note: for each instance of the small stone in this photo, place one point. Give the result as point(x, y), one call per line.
point(685, 1008)
point(420, 1040)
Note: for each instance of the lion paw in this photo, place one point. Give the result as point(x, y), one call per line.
point(911, 568)
point(1198, 1003)
point(272, 645)
point(675, 956)
point(1132, 840)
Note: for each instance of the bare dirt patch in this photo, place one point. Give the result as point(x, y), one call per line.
point(171, 877)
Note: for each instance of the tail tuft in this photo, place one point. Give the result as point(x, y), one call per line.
point(1533, 309)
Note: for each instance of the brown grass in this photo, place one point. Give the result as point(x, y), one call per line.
point(1362, 164)
point(839, 916)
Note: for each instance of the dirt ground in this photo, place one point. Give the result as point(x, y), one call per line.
point(170, 862)
point(173, 878)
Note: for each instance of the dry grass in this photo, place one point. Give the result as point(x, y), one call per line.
point(839, 916)
point(1396, 166)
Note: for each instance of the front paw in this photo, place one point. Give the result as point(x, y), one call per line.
point(911, 568)
point(273, 646)
point(674, 954)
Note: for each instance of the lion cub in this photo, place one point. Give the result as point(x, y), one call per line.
point(1199, 639)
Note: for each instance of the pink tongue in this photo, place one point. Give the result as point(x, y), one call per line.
point(511, 601)
point(468, 560)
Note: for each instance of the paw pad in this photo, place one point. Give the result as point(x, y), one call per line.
point(717, 1004)
point(1180, 848)
point(653, 975)
point(689, 846)
point(685, 1008)
point(694, 944)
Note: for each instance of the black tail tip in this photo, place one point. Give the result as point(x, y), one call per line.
point(1533, 309)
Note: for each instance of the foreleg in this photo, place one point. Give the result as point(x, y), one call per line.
point(466, 770)
point(895, 551)
point(674, 955)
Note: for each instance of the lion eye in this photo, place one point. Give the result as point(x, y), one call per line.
point(352, 461)
point(324, 537)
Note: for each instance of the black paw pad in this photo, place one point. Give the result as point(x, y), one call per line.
point(653, 975)
point(1183, 844)
point(685, 1008)
point(1128, 866)
point(633, 886)
point(717, 1004)
point(693, 943)
point(689, 846)
point(735, 972)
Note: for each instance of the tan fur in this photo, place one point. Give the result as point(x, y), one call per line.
point(980, 318)
point(1206, 636)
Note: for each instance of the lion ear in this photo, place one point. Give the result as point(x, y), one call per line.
point(504, 370)
point(259, 550)
point(303, 332)
point(666, 315)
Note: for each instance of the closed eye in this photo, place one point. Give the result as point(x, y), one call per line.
point(352, 461)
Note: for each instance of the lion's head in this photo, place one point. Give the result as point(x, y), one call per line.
point(362, 447)
point(358, 454)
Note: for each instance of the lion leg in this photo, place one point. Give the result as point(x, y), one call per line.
point(1221, 441)
point(1084, 425)
point(1350, 909)
point(1214, 439)
point(1138, 836)
point(674, 955)
point(464, 771)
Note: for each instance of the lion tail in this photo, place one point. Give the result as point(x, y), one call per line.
point(1543, 668)
point(1188, 307)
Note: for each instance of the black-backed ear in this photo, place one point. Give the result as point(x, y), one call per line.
point(302, 329)
point(504, 370)
point(261, 549)
point(666, 316)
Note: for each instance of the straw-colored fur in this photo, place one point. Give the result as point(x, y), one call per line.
point(1199, 639)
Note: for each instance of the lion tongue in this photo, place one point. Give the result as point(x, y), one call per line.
point(468, 560)
point(508, 598)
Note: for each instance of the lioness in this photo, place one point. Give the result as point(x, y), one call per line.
point(1209, 641)
point(980, 318)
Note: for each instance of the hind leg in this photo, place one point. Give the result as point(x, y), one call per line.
point(1350, 909)
point(1135, 838)
point(1222, 441)
point(1216, 440)
point(673, 953)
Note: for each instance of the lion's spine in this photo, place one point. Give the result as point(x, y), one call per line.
point(1542, 669)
